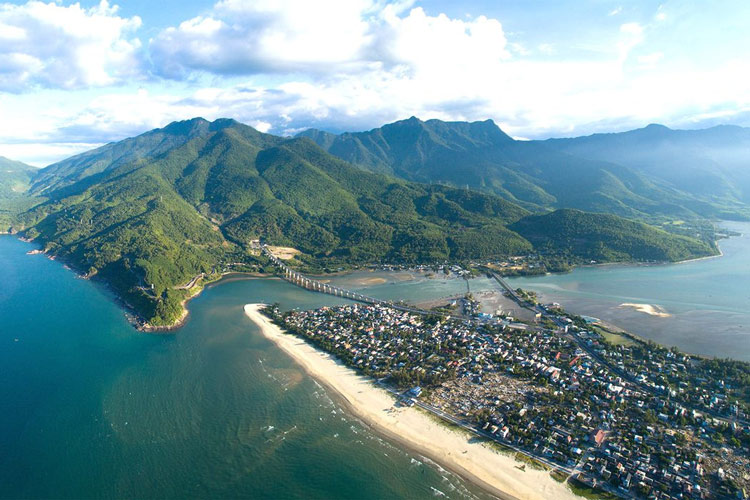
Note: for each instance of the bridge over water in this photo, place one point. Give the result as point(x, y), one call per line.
point(299, 279)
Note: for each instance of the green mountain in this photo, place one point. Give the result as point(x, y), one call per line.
point(605, 238)
point(713, 165)
point(148, 214)
point(534, 174)
point(15, 179)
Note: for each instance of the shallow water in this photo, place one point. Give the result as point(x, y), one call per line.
point(90, 408)
point(707, 301)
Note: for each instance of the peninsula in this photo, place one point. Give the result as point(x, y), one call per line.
point(456, 449)
point(632, 420)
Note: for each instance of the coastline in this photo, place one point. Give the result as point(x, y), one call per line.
point(145, 327)
point(131, 314)
point(456, 450)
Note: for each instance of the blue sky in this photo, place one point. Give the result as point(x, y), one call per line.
point(77, 75)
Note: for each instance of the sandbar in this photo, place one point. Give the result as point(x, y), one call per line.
point(650, 309)
point(458, 451)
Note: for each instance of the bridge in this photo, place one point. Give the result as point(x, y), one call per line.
point(299, 279)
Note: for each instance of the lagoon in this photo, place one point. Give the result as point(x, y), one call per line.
point(702, 306)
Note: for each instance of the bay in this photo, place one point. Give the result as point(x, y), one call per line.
point(91, 408)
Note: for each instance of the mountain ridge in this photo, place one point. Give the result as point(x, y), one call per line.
point(534, 174)
point(150, 213)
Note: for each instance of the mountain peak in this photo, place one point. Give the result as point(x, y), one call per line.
point(654, 127)
point(186, 127)
point(197, 126)
point(412, 121)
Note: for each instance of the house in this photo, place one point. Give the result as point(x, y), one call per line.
point(599, 436)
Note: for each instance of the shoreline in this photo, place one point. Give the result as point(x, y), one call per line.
point(183, 319)
point(457, 451)
point(131, 314)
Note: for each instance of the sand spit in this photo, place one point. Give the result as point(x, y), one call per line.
point(456, 450)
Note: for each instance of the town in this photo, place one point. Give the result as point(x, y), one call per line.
point(630, 419)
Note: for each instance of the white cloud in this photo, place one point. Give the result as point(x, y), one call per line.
point(632, 35)
point(547, 49)
point(650, 60)
point(265, 36)
point(56, 46)
point(617, 10)
point(322, 38)
point(357, 65)
point(41, 155)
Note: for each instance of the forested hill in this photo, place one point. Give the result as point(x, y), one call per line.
point(15, 178)
point(605, 238)
point(148, 214)
point(537, 175)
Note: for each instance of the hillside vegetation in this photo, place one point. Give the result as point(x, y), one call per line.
point(606, 238)
point(603, 173)
point(149, 214)
point(15, 179)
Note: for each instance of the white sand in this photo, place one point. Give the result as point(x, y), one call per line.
point(475, 461)
point(650, 309)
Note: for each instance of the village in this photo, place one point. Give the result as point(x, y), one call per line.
point(632, 420)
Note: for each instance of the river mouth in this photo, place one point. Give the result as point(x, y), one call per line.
point(92, 408)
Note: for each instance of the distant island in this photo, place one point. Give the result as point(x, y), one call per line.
point(157, 216)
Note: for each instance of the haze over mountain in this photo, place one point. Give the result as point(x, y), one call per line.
point(149, 213)
point(551, 174)
point(713, 163)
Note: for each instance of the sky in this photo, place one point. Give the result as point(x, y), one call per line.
point(74, 76)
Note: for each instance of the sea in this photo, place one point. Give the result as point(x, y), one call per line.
point(92, 408)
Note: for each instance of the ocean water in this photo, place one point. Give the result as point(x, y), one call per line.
point(708, 301)
point(91, 408)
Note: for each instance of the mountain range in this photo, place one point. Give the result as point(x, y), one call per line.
point(651, 173)
point(148, 214)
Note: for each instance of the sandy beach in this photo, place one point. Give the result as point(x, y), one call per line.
point(456, 450)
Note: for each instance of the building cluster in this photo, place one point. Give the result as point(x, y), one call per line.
point(634, 421)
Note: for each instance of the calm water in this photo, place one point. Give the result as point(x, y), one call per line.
point(91, 408)
point(708, 300)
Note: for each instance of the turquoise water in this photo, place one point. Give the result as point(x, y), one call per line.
point(90, 408)
point(708, 300)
